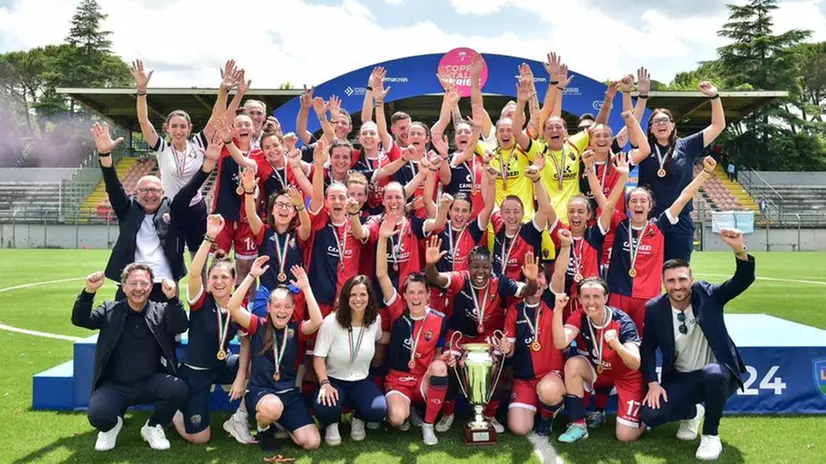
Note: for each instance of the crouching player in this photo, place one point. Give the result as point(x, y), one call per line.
point(416, 335)
point(537, 363)
point(608, 346)
point(277, 343)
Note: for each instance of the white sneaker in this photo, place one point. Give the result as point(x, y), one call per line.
point(405, 426)
point(710, 448)
point(445, 422)
point(496, 425)
point(373, 425)
point(239, 430)
point(415, 419)
point(155, 436)
point(429, 435)
point(357, 432)
point(331, 435)
point(107, 440)
point(280, 432)
point(689, 427)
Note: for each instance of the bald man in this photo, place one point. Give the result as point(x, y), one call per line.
point(146, 220)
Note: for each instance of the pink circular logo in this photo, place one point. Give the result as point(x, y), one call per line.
point(455, 66)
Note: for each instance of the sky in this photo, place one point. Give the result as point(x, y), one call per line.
point(312, 41)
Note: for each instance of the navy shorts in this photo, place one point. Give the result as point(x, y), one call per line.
point(200, 382)
point(193, 225)
point(295, 415)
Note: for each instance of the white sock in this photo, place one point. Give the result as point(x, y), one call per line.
point(240, 415)
point(264, 429)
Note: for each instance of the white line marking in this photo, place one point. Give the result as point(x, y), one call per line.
point(811, 282)
point(39, 334)
point(544, 450)
point(36, 333)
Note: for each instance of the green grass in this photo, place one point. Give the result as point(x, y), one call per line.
point(42, 436)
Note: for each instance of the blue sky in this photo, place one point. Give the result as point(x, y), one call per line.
point(185, 41)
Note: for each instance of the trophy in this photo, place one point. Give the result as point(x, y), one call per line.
point(474, 371)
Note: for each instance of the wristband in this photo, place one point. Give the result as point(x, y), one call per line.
point(554, 82)
point(209, 239)
point(369, 87)
point(560, 88)
point(643, 96)
point(300, 209)
point(249, 193)
point(708, 172)
point(324, 382)
point(715, 97)
point(227, 142)
point(379, 102)
point(103, 155)
point(141, 94)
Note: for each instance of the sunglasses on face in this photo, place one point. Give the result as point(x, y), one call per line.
point(682, 328)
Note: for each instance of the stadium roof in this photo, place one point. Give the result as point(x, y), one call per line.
point(690, 109)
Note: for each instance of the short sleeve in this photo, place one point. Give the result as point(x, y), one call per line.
point(395, 308)
point(200, 140)
point(665, 221)
point(259, 303)
point(417, 226)
point(628, 331)
point(197, 302)
point(692, 146)
point(160, 146)
point(442, 334)
point(510, 322)
point(325, 337)
point(307, 153)
point(580, 140)
point(378, 327)
point(508, 287)
point(574, 321)
point(255, 323)
point(535, 150)
point(455, 282)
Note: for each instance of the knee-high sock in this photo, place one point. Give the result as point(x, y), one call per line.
point(436, 393)
point(575, 408)
point(492, 407)
point(601, 398)
point(551, 410)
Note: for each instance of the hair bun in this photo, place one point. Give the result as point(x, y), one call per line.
point(219, 255)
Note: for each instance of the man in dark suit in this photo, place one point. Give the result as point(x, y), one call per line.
point(700, 361)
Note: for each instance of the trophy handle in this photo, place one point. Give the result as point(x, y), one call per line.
point(454, 340)
point(496, 337)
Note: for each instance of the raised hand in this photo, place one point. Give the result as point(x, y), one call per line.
point(388, 225)
point(294, 159)
point(335, 106)
point(588, 159)
point(733, 238)
point(215, 224)
point(707, 88)
point(553, 64)
point(103, 139)
point(643, 81)
point(561, 302)
point(259, 266)
point(223, 128)
point(301, 281)
point(709, 164)
point(565, 237)
point(353, 207)
point(611, 339)
point(296, 197)
point(170, 288)
point(248, 179)
point(243, 83)
point(441, 145)
point(290, 140)
point(229, 75)
point(94, 281)
point(306, 98)
point(214, 149)
point(271, 125)
point(446, 79)
point(476, 65)
point(445, 200)
point(533, 173)
point(452, 97)
point(611, 91)
point(433, 253)
point(621, 164)
point(319, 105)
point(139, 74)
point(408, 153)
point(493, 173)
point(320, 154)
point(531, 267)
point(626, 83)
point(563, 78)
point(524, 90)
point(477, 117)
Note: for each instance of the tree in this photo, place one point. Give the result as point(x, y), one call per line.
point(85, 32)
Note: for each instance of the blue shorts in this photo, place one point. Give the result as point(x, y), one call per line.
point(200, 382)
point(295, 415)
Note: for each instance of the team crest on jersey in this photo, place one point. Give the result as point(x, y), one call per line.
point(166, 218)
point(428, 335)
point(819, 371)
point(513, 396)
point(546, 253)
point(290, 333)
point(196, 419)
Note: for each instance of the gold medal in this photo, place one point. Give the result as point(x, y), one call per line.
point(239, 190)
point(661, 172)
point(600, 368)
point(411, 364)
point(536, 346)
point(282, 277)
point(480, 329)
point(222, 355)
point(632, 272)
point(577, 277)
point(277, 376)
point(396, 266)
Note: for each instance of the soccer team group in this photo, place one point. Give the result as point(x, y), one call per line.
point(360, 273)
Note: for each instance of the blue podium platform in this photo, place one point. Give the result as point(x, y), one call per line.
point(786, 364)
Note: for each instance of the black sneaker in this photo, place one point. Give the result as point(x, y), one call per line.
point(543, 426)
point(268, 441)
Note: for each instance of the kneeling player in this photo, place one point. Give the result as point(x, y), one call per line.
point(537, 363)
point(417, 335)
point(277, 347)
point(608, 346)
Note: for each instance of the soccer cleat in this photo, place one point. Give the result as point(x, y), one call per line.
point(267, 440)
point(331, 435)
point(373, 425)
point(710, 448)
point(415, 419)
point(496, 425)
point(689, 427)
point(155, 436)
point(595, 418)
point(543, 426)
point(239, 430)
point(429, 435)
point(107, 440)
point(405, 426)
point(444, 423)
point(357, 432)
point(574, 434)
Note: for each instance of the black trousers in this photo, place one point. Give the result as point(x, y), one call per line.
point(110, 400)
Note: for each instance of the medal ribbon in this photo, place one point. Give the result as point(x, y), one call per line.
point(415, 340)
point(223, 328)
point(503, 255)
point(281, 180)
point(591, 326)
point(354, 350)
point(503, 165)
point(397, 247)
point(472, 170)
point(282, 255)
point(480, 311)
point(180, 166)
point(341, 243)
point(275, 352)
point(560, 167)
point(534, 328)
point(660, 158)
point(577, 258)
point(633, 251)
point(453, 245)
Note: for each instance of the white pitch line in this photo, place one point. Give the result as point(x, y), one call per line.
point(811, 282)
point(544, 450)
point(36, 333)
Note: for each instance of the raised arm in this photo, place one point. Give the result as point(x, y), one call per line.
point(438, 223)
point(476, 65)
point(637, 136)
point(320, 108)
point(304, 226)
point(303, 283)
point(305, 102)
point(449, 101)
point(524, 92)
point(379, 94)
point(432, 254)
point(141, 82)
point(744, 274)
point(563, 334)
point(386, 230)
point(563, 257)
point(429, 192)
point(105, 145)
point(298, 169)
point(367, 103)
point(223, 128)
point(320, 157)
point(195, 284)
point(82, 313)
point(621, 166)
point(249, 182)
point(489, 174)
point(356, 228)
point(545, 211)
point(718, 116)
point(607, 103)
point(239, 314)
point(688, 193)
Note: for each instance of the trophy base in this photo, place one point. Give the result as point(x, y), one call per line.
point(479, 436)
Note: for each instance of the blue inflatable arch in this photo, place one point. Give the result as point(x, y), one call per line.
point(416, 75)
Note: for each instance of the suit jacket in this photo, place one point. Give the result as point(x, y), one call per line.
point(707, 302)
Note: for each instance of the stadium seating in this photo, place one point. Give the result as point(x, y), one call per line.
point(29, 201)
point(807, 201)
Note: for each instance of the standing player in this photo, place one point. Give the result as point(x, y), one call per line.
point(608, 353)
point(537, 363)
point(416, 335)
point(634, 275)
point(277, 345)
point(478, 306)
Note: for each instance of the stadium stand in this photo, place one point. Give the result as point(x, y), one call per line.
point(29, 200)
point(806, 201)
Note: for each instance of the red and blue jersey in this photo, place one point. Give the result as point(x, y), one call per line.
point(608, 177)
point(202, 343)
point(586, 342)
point(462, 241)
point(586, 254)
point(269, 241)
point(326, 269)
point(263, 362)
point(514, 249)
point(403, 257)
point(649, 263)
point(368, 167)
point(527, 363)
point(270, 180)
point(462, 314)
point(226, 200)
point(467, 178)
point(404, 331)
